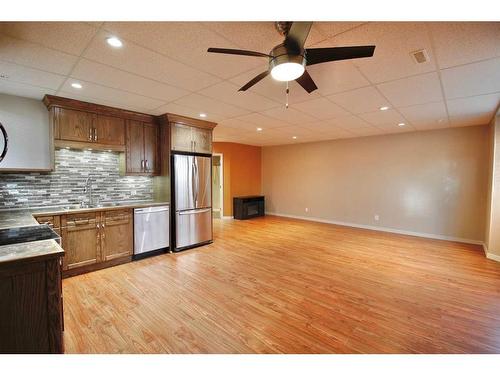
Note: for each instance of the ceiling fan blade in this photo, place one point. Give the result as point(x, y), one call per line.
point(241, 52)
point(297, 35)
point(254, 80)
point(306, 82)
point(321, 55)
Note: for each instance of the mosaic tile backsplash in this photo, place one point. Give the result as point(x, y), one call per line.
point(66, 184)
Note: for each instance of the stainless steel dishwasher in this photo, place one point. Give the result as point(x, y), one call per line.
point(151, 230)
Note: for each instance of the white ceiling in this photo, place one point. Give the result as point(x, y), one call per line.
point(164, 67)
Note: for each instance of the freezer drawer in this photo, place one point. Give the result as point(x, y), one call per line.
point(193, 227)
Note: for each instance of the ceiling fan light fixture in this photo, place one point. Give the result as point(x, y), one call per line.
point(288, 71)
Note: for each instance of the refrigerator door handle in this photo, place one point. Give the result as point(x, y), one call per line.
point(191, 212)
point(197, 182)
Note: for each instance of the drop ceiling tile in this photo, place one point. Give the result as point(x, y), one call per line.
point(476, 109)
point(419, 89)
point(330, 29)
point(186, 42)
point(21, 74)
point(69, 37)
point(368, 131)
point(210, 106)
point(338, 76)
point(235, 123)
point(262, 121)
point(366, 99)
point(123, 99)
point(458, 43)
point(293, 130)
point(78, 96)
point(349, 122)
point(273, 89)
point(390, 117)
point(426, 116)
point(394, 41)
point(107, 76)
point(472, 79)
point(321, 108)
point(31, 55)
point(24, 90)
point(470, 120)
point(185, 111)
point(139, 60)
point(288, 115)
point(228, 93)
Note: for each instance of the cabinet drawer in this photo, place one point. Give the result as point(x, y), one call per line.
point(81, 219)
point(51, 221)
point(117, 217)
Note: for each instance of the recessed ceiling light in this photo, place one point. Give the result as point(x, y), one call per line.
point(114, 42)
point(401, 124)
point(384, 108)
point(259, 129)
point(294, 137)
point(203, 115)
point(89, 149)
point(76, 85)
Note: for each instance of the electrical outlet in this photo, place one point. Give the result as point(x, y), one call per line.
point(307, 209)
point(376, 217)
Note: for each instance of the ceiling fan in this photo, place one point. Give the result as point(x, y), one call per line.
point(288, 60)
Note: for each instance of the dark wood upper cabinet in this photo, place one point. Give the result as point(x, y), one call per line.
point(135, 147)
point(142, 155)
point(151, 162)
point(73, 125)
point(190, 135)
point(109, 130)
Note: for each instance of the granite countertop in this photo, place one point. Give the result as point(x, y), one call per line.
point(11, 218)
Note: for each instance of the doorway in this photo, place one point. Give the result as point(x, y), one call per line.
point(217, 186)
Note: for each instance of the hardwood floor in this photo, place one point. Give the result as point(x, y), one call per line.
point(276, 285)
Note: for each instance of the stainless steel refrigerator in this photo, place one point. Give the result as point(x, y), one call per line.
point(193, 200)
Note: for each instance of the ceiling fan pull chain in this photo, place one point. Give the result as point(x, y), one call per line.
point(287, 92)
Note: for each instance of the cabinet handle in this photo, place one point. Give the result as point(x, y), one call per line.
point(147, 166)
point(95, 134)
point(142, 165)
point(90, 133)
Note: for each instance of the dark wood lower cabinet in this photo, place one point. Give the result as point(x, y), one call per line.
point(31, 316)
point(96, 240)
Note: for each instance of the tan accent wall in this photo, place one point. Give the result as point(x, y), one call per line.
point(241, 169)
point(492, 239)
point(431, 182)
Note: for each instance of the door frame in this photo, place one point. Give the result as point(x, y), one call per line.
point(221, 179)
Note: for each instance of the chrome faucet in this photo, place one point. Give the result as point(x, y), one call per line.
point(88, 189)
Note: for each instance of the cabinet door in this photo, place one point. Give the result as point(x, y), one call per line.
point(116, 234)
point(202, 140)
point(151, 161)
point(80, 234)
point(110, 130)
point(182, 139)
point(135, 147)
point(74, 125)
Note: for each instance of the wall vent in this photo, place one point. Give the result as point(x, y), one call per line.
point(420, 56)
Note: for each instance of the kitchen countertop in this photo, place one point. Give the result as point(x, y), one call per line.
point(11, 218)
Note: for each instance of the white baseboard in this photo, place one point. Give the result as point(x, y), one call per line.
point(228, 217)
point(493, 257)
point(383, 229)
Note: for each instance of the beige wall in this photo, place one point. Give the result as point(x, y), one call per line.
point(432, 182)
point(492, 239)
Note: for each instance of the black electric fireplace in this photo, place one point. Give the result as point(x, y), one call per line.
point(248, 207)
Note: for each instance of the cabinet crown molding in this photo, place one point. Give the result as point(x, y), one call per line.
point(52, 101)
point(170, 117)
